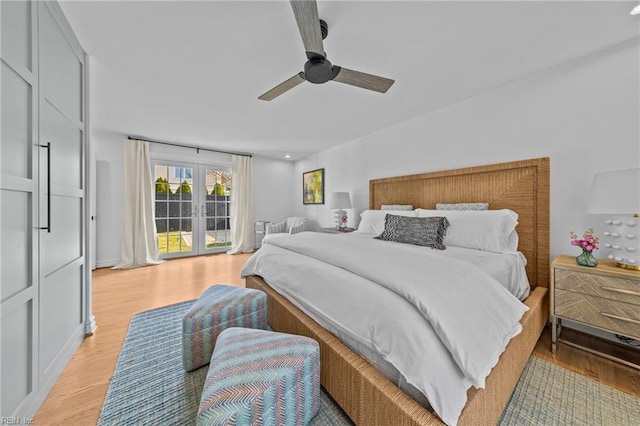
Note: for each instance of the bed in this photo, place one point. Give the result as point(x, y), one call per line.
point(364, 392)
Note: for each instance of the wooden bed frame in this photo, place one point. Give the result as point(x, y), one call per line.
point(365, 394)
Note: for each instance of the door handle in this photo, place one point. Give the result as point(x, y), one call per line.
point(203, 211)
point(48, 227)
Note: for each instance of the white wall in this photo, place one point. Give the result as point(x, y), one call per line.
point(272, 195)
point(272, 182)
point(109, 186)
point(584, 115)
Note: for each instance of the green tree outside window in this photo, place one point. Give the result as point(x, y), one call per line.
point(184, 188)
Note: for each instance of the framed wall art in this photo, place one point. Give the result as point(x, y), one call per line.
point(313, 187)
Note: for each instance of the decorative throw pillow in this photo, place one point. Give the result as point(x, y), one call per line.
point(426, 231)
point(463, 206)
point(401, 207)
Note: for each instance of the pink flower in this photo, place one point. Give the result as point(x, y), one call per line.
point(588, 242)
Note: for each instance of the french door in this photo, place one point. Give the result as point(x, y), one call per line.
point(192, 208)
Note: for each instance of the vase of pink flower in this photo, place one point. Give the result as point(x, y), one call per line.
point(588, 244)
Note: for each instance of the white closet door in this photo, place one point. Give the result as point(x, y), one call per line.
point(62, 257)
point(42, 196)
point(18, 208)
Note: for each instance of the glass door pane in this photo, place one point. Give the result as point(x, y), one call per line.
point(215, 210)
point(174, 209)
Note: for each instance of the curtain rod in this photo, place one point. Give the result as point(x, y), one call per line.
point(197, 148)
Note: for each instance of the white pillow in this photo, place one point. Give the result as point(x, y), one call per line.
point(372, 221)
point(463, 206)
point(487, 230)
point(396, 207)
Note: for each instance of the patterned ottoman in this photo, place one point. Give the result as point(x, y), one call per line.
point(219, 307)
point(261, 378)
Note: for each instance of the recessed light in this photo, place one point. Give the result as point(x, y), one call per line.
point(636, 10)
point(287, 156)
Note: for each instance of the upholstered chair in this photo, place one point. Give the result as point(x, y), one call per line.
point(291, 225)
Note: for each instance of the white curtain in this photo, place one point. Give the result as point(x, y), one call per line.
point(241, 204)
point(139, 246)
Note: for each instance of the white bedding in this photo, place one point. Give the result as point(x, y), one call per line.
point(374, 296)
point(507, 268)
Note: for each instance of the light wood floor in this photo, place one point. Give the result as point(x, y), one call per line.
point(77, 397)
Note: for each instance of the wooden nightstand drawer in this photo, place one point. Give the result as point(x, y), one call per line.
point(610, 315)
point(607, 287)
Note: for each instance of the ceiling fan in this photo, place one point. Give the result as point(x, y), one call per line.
point(318, 69)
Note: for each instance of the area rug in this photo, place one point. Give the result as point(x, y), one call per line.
point(550, 395)
point(149, 386)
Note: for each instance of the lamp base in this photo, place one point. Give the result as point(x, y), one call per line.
point(341, 224)
point(622, 238)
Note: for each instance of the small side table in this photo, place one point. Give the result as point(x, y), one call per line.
point(334, 230)
point(604, 297)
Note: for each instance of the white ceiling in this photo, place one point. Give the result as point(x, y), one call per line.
point(191, 71)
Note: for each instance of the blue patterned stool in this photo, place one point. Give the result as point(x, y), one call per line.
point(219, 307)
point(261, 378)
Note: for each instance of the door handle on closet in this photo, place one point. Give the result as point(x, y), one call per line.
point(48, 227)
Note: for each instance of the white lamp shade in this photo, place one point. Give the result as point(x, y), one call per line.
point(616, 192)
point(340, 200)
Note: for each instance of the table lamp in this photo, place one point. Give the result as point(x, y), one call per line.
point(617, 193)
point(340, 201)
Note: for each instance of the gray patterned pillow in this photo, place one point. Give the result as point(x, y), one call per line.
point(463, 206)
point(421, 231)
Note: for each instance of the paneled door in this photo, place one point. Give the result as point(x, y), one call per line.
point(62, 251)
point(191, 208)
point(18, 208)
point(42, 202)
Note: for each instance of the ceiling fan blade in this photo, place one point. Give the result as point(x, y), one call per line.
point(364, 80)
point(282, 87)
point(306, 13)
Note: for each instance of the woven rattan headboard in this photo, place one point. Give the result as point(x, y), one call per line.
point(522, 186)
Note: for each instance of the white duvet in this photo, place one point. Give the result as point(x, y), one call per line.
point(440, 322)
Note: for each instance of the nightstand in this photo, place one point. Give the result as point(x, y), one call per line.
point(334, 230)
point(605, 297)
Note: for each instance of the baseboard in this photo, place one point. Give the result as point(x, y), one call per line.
point(90, 326)
point(106, 263)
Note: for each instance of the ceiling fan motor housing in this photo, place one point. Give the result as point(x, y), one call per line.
point(319, 70)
